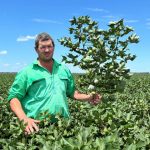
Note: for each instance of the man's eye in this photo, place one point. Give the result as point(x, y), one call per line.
point(46, 47)
point(43, 47)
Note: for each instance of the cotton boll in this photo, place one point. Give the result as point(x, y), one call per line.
point(95, 81)
point(91, 87)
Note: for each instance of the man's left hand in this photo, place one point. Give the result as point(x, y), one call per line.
point(96, 98)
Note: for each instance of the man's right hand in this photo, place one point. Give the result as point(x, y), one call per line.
point(31, 125)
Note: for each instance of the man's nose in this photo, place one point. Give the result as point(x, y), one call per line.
point(47, 49)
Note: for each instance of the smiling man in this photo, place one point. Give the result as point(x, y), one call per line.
point(44, 86)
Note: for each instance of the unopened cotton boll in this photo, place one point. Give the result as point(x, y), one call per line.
point(91, 87)
point(93, 92)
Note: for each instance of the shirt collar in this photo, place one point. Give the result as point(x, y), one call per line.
point(56, 63)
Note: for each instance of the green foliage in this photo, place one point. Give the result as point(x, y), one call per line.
point(119, 122)
point(103, 54)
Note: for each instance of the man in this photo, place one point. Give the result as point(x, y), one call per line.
point(44, 86)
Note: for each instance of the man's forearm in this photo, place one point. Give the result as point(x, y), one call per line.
point(83, 97)
point(16, 107)
point(31, 123)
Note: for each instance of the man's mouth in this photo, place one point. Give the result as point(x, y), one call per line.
point(47, 54)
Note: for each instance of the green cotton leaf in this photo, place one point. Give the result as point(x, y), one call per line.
point(83, 38)
point(123, 43)
point(119, 113)
point(68, 143)
point(133, 38)
point(59, 123)
point(79, 137)
point(127, 30)
point(20, 145)
point(67, 147)
point(12, 148)
point(110, 121)
point(100, 143)
point(70, 55)
point(141, 136)
point(62, 41)
point(73, 21)
point(47, 146)
point(131, 147)
point(85, 147)
point(71, 30)
point(64, 58)
point(111, 138)
point(132, 57)
point(128, 116)
point(55, 133)
point(85, 134)
point(112, 24)
point(65, 132)
point(141, 144)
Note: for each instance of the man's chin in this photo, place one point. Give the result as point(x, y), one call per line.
point(46, 59)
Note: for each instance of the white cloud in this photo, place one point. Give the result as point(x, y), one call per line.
point(131, 21)
point(148, 19)
point(6, 65)
point(148, 26)
point(26, 38)
point(148, 23)
point(3, 52)
point(21, 64)
point(97, 10)
point(24, 64)
point(18, 66)
point(18, 63)
point(46, 21)
point(109, 16)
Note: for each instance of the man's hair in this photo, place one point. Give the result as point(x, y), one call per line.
point(43, 37)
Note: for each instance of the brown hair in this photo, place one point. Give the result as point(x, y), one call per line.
point(43, 37)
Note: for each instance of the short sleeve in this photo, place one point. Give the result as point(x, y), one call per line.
point(70, 86)
point(18, 88)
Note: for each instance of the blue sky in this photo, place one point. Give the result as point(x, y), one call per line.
point(22, 20)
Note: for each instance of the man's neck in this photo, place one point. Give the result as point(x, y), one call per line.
point(47, 64)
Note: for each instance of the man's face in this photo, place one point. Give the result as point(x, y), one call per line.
point(45, 50)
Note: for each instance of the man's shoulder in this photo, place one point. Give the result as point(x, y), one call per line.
point(62, 67)
point(26, 69)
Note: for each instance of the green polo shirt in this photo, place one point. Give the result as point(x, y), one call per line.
point(39, 90)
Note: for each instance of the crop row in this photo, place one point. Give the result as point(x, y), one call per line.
point(121, 121)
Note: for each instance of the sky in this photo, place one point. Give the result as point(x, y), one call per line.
point(22, 20)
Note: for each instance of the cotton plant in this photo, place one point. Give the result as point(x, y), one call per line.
point(102, 54)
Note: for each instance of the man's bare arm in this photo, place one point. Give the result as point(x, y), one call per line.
point(16, 107)
point(93, 98)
